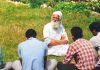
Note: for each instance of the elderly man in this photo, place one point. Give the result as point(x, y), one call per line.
point(55, 35)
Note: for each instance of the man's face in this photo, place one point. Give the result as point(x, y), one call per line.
point(55, 17)
point(73, 38)
point(55, 21)
point(94, 32)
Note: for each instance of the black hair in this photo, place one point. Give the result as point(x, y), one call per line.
point(77, 32)
point(94, 26)
point(30, 33)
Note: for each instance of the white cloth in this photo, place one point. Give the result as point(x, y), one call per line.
point(8, 66)
point(16, 65)
point(96, 40)
point(49, 33)
point(51, 64)
point(58, 13)
point(59, 50)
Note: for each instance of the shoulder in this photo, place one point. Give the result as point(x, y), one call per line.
point(62, 27)
point(77, 42)
point(73, 44)
point(21, 44)
point(93, 38)
point(47, 25)
point(43, 44)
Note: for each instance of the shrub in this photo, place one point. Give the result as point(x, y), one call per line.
point(33, 3)
point(95, 6)
point(52, 2)
point(36, 3)
point(68, 7)
point(25, 1)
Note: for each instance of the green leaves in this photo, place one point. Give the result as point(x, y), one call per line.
point(76, 7)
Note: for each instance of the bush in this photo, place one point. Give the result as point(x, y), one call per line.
point(95, 6)
point(52, 2)
point(69, 7)
point(33, 3)
point(25, 1)
point(80, 7)
point(36, 3)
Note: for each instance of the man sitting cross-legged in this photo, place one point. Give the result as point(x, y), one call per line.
point(81, 50)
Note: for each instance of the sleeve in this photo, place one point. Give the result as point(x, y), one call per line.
point(64, 33)
point(47, 39)
point(19, 51)
point(69, 55)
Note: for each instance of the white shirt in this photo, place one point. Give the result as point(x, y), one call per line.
point(49, 33)
point(96, 40)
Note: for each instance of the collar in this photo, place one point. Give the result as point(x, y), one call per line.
point(31, 38)
point(98, 33)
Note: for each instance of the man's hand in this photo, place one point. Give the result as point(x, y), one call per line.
point(58, 42)
point(63, 37)
point(64, 41)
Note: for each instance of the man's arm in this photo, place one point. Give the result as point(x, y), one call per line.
point(69, 55)
point(58, 42)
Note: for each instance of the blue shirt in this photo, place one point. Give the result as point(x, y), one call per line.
point(32, 53)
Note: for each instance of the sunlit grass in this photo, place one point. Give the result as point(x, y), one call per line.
point(15, 20)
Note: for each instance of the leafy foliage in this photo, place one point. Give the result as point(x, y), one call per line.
point(95, 6)
point(68, 7)
point(78, 7)
point(36, 3)
point(33, 3)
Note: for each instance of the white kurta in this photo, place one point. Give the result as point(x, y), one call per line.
point(49, 33)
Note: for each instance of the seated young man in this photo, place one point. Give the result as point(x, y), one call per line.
point(81, 50)
point(95, 29)
point(32, 52)
point(95, 40)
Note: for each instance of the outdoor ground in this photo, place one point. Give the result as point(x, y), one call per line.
point(15, 20)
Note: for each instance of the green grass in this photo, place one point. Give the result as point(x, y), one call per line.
point(15, 20)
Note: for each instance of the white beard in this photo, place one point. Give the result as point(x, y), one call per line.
point(56, 24)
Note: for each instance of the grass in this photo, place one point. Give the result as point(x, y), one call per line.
point(15, 20)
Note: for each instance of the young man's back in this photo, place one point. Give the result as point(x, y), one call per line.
point(32, 53)
point(86, 56)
